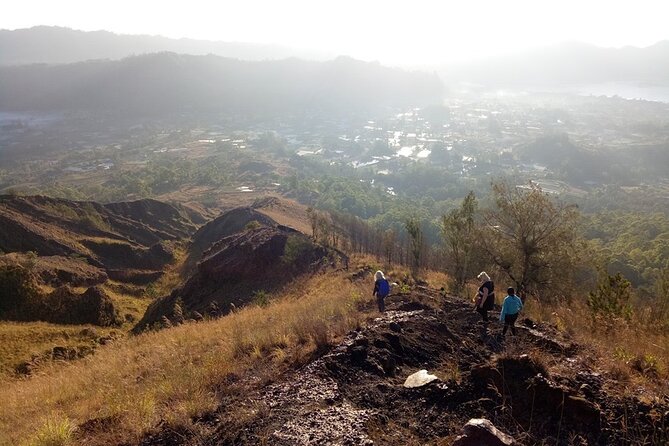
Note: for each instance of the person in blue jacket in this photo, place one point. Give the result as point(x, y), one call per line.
point(381, 290)
point(510, 311)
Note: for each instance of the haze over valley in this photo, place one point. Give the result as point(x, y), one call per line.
point(195, 203)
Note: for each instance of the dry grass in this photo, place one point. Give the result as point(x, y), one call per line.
point(19, 341)
point(450, 371)
point(174, 374)
point(126, 304)
point(289, 213)
point(436, 279)
point(628, 350)
point(173, 276)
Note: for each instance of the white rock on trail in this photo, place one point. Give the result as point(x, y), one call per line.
point(419, 379)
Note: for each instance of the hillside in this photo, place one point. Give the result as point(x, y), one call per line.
point(272, 338)
point(225, 225)
point(540, 387)
point(168, 83)
point(294, 372)
point(117, 237)
point(248, 266)
point(58, 45)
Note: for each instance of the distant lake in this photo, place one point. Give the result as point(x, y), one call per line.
point(28, 118)
point(624, 90)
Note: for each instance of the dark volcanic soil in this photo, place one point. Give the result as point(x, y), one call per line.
point(537, 386)
point(237, 266)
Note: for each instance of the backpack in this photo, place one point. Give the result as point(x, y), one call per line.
point(489, 304)
point(384, 288)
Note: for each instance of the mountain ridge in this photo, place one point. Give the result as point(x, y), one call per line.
point(568, 63)
point(112, 236)
point(163, 83)
point(58, 45)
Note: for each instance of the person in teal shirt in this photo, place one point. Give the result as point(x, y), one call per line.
point(510, 311)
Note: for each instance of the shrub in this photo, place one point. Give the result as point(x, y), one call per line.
point(253, 224)
point(17, 289)
point(261, 298)
point(611, 298)
point(54, 432)
point(404, 288)
point(295, 249)
point(646, 364)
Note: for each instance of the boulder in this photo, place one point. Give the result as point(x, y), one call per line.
point(419, 379)
point(481, 432)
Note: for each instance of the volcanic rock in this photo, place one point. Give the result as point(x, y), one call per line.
point(481, 432)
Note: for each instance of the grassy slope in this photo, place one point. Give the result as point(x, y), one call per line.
point(635, 350)
point(179, 373)
point(20, 341)
point(175, 374)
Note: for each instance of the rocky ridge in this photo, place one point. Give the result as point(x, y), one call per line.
point(132, 235)
point(238, 268)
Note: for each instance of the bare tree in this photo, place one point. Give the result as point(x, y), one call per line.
point(462, 245)
point(532, 238)
point(389, 245)
point(412, 225)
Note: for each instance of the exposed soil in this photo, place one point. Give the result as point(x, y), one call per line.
point(538, 386)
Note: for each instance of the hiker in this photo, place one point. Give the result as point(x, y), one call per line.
point(510, 311)
point(381, 290)
point(485, 298)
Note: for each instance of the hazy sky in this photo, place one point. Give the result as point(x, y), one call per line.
point(396, 32)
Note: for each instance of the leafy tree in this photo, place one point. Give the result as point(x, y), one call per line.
point(459, 234)
point(532, 239)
